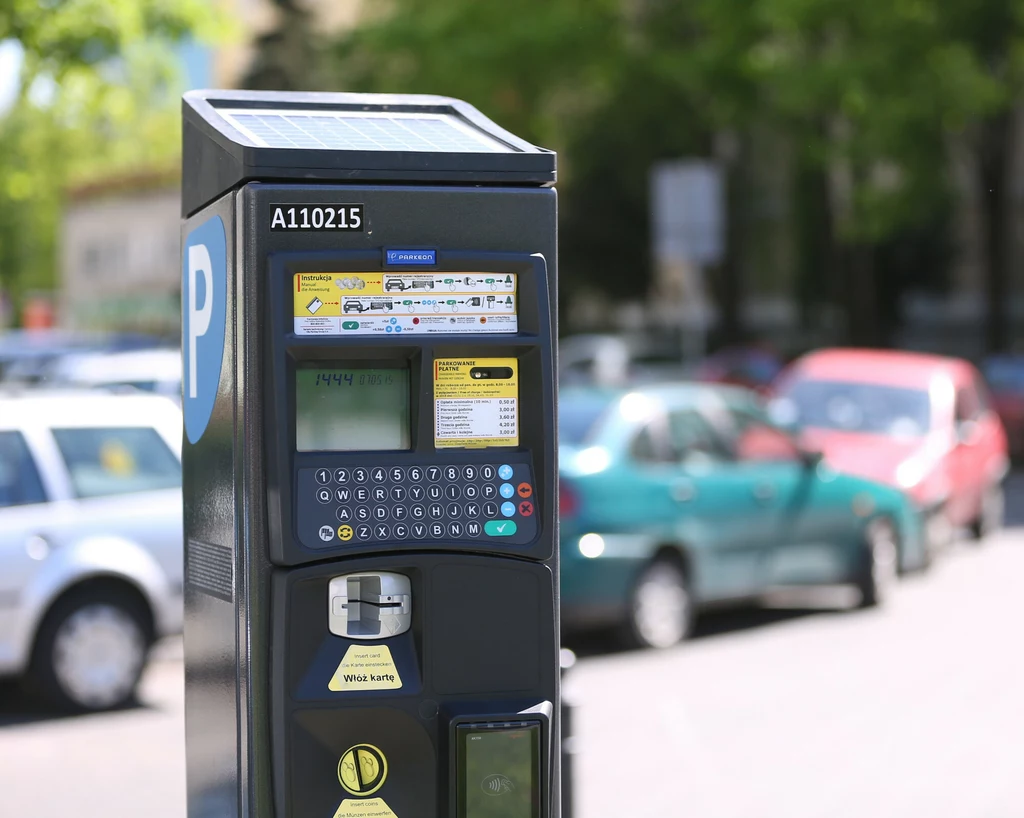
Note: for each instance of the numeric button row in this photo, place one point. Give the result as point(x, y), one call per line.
point(399, 474)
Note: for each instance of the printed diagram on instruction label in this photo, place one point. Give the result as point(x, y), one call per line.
point(386, 303)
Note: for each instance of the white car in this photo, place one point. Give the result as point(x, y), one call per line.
point(91, 569)
point(145, 370)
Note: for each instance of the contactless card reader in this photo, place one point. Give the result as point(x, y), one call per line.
point(369, 606)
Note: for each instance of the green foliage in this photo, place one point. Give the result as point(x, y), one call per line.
point(532, 65)
point(96, 95)
point(61, 37)
point(868, 93)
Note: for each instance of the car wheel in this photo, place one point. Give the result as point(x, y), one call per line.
point(990, 516)
point(660, 607)
point(881, 562)
point(938, 533)
point(91, 651)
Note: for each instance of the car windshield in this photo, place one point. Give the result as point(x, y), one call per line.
point(109, 461)
point(855, 407)
point(577, 418)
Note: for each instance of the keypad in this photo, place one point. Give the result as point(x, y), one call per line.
point(382, 503)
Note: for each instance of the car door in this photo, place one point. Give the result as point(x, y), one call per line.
point(718, 510)
point(126, 482)
point(23, 512)
point(772, 474)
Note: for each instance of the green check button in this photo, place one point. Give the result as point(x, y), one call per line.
point(500, 528)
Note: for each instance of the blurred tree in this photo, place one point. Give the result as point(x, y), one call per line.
point(870, 92)
point(605, 225)
point(533, 66)
point(96, 91)
point(867, 94)
point(992, 34)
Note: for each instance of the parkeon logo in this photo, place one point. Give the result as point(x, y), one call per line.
point(410, 258)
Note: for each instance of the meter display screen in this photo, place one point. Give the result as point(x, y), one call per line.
point(351, 409)
point(499, 769)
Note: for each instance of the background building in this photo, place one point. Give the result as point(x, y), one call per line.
point(120, 244)
point(120, 256)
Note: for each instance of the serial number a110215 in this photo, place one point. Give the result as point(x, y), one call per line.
point(317, 217)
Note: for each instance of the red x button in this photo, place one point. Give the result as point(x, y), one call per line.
point(525, 490)
point(526, 508)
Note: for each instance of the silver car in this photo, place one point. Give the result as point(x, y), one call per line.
point(90, 541)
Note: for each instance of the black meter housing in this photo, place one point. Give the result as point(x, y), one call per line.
point(370, 477)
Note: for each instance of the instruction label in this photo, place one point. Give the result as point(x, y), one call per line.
point(396, 303)
point(476, 402)
point(364, 808)
point(366, 667)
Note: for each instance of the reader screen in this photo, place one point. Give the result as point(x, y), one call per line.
point(353, 409)
point(499, 769)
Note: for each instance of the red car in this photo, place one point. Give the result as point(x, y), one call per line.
point(923, 423)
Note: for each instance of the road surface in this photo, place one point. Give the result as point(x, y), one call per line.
point(914, 710)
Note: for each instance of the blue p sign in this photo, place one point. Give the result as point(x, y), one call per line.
point(204, 306)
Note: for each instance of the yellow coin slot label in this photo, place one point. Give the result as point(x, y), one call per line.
point(366, 667)
point(362, 769)
point(476, 402)
point(364, 808)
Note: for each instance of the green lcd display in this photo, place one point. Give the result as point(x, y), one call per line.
point(351, 409)
point(499, 770)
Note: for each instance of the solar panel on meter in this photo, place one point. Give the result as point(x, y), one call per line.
point(361, 131)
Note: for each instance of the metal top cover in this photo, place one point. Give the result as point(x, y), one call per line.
point(234, 137)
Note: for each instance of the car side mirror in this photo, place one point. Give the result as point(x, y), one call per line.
point(784, 414)
point(811, 458)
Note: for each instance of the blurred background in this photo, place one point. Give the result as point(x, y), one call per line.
point(790, 572)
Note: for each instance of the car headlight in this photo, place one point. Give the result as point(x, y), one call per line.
point(591, 545)
point(909, 473)
point(593, 460)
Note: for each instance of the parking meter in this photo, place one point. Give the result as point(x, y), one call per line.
point(368, 294)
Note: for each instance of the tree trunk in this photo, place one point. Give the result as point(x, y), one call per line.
point(995, 154)
point(819, 280)
point(862, 327)
point(286, 56)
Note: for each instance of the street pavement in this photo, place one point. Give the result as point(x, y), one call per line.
point(915, 711)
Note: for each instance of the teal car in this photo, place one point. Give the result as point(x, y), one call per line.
point(675, 498)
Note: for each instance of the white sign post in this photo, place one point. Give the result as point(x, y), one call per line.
point(687, 234)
